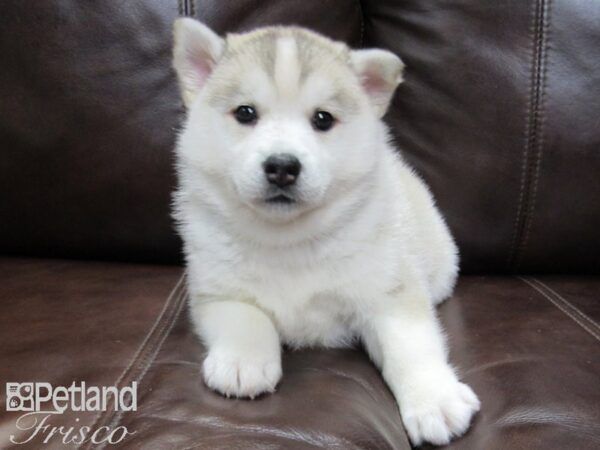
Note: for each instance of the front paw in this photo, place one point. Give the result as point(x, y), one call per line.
point(437, 411)
point(239, 375)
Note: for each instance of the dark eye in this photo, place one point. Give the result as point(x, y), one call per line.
point(245, 114)
point(322, 120)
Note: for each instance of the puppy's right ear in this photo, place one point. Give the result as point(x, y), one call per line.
point(196, 51)
point(380, 73)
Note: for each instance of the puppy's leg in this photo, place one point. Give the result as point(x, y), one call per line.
point(404, 338)
point(244, 354)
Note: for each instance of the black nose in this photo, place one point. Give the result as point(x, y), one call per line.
point(282, 169)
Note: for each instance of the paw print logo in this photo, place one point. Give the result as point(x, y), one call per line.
point(19, 397)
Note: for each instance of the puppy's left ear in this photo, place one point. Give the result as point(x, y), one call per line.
point(380, 73)
point(195, 54)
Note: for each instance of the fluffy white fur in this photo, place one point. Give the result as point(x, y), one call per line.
point(363, 253)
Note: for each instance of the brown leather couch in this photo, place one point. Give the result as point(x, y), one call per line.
point(500, 113)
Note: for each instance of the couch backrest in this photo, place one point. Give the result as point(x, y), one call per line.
point(500, 113)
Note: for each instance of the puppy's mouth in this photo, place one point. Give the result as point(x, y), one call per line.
point(280, 199)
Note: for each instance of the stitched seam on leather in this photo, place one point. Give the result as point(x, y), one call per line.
point(561, 307)
point(185, 9)
point(539, 147)
point(144, 345)
point(583, 316)
point(524, 158)
point(116, 421)
point(160, 321)
point(532, 148)
point(362, 24)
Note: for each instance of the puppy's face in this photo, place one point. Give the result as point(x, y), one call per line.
point(284, 119)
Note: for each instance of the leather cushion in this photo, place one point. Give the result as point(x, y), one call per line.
point(527, 346)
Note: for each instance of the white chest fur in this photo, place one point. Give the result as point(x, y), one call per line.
point(312, 297)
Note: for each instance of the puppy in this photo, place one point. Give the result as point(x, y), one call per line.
point(301, 223)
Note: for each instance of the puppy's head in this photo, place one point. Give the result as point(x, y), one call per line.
point(283, 119)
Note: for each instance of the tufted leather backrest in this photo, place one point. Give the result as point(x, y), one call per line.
point(500, 113)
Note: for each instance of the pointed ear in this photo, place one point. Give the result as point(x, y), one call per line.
point(380, 72)
point(196, 51)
